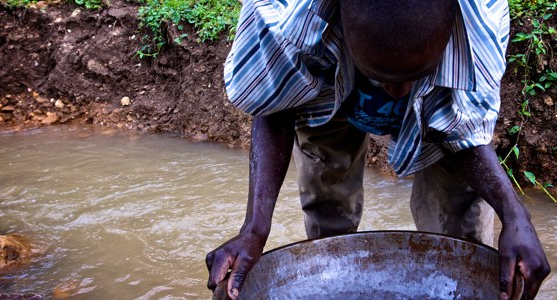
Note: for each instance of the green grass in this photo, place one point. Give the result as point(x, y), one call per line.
point(17, 3)
point(210, 18)
point(89, 4)
point(523, 9)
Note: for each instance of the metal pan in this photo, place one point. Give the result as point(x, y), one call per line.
point(376, 265)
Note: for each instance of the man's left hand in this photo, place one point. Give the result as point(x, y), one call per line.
point(521, 254)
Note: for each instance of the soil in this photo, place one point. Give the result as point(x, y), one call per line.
point(64, 64)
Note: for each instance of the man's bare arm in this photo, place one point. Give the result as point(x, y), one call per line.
point(520, 250)
point(272, 138)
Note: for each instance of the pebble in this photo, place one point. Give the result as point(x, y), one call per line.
point(125, 101)
point(8, 108)
point(59, 104)
point(51, 118)
point(13, 248)
point(548, 100)
point(41, 99)
point(76, 12)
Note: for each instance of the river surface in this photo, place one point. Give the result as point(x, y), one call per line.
point(118, 215)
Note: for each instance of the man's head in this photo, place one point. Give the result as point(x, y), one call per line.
point(397, 41)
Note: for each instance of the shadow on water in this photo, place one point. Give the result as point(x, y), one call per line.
point(124, 216)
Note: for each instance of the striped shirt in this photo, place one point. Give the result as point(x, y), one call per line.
point(290, 54)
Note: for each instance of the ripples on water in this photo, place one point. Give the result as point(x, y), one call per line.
point(123, 216)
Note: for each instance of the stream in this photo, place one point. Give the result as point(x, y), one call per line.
point(120, 215)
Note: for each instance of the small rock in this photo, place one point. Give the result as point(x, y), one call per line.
point(199, 137)
point(76, 12)
point(35, 95)
point(8, 108)
point(59, 104)
point(51, 118)
point(96, 67)
point(13, 248)
point(548, 100)
point(114, 117)
point(125, 101)
point(37, 118)
point(41, 99)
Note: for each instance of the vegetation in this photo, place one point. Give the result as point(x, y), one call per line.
point(17, 3)
point(89, 4)
point(532, 65)
point(209, 17)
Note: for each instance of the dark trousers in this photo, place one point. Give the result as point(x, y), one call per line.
point(330, 161)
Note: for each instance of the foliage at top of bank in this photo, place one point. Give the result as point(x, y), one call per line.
point(210, 18)
point(536, 40)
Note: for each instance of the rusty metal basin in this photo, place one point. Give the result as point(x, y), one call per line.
point(376, 265)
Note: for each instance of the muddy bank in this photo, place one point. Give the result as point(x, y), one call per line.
point(64, 64)
point(67, 64)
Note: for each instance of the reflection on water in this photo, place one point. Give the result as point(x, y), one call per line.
point(123, 216)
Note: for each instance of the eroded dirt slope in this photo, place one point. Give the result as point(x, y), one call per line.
point(64, 64)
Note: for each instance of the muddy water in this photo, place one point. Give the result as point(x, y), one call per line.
point(123, 216)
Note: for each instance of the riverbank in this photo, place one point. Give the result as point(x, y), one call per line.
point(64, 64)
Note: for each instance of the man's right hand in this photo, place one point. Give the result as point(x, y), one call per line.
point(272, 139)
point(239, 255)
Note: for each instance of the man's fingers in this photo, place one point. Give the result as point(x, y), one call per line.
point(219, 268)
point(532, 278)
point(209, 260)
point(507, 265)
point(238, 275)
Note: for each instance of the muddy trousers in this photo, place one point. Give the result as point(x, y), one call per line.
point(330, 162)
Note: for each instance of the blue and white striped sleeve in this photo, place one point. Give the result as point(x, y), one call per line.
point(488, 30)
point(269, 67)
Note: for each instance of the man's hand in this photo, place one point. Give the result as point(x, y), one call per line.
point(521, 254)
point(239, 254)
point(520, 250)
point(272, 138)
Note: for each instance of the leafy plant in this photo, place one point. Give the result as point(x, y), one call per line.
point(90, 4)
point(210, 18)
point(17, 3)
point(503, 162)
point(539, 49)
point(523, 9)
point(533, 180)
point(532, 65)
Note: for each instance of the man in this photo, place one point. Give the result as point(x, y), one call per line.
point(318, 75)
